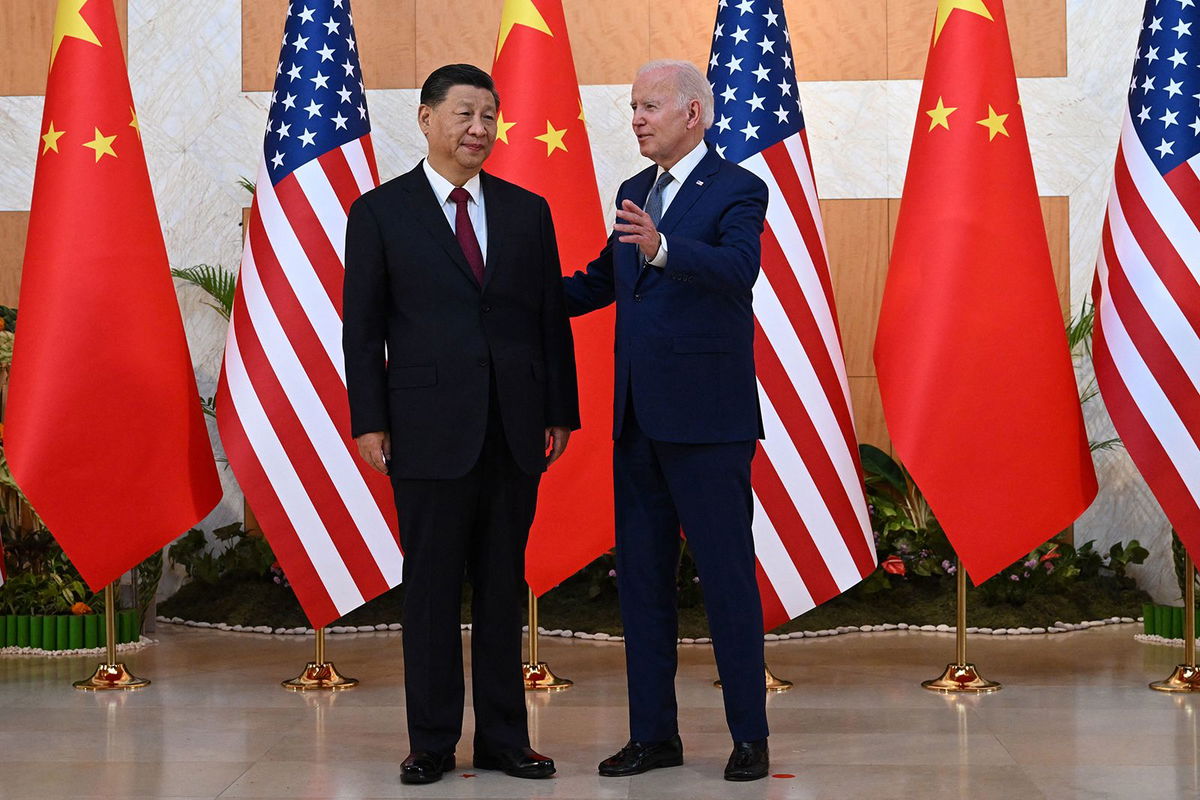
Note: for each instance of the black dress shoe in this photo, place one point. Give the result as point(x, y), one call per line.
point(749, 761)
point(425, 767)
point(519, 762)
point(638, 757)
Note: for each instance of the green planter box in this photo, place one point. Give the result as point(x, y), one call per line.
point(4, 618)
point(62, 632)
point(1165, 621)
point(22, 630)
point(92, 635)
point(36, 623)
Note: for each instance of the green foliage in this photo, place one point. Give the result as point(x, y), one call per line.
point(902, 521)
point(246, 184)
point(1179, 556)
point(9, 317)
point(235, 553)
point(216, 281)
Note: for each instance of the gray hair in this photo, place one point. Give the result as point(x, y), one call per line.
point(689, 83)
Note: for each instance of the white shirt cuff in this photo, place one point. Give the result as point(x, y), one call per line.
point(660, 258)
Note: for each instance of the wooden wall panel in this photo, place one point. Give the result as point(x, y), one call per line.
point(13, 225)
point(869, 424)
point(1056, 213)
point(856, 232)
point(1037, 28)
point(682, 29)
point(453, 32)
point(29, 30)
point(385, 32)
point(610, 40)
point(846, 40)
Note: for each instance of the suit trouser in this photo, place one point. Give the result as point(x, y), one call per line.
point(658, 487)
point(478, 525)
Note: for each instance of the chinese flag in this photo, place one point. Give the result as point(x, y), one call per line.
point(104, 432)
point(543, 146)
point(978, 387)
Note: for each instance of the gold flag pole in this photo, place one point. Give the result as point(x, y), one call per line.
point(1185, 678)
point(961, 676)
point(319, 673)
point(111, 674)
point(538, 674)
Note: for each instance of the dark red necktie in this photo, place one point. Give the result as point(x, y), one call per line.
point(464, 231)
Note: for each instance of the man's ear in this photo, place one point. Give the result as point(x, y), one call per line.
point(694, 114)
point(423, 112)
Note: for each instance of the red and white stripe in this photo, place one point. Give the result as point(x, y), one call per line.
point(1146, 348)
point(811, 531)
point(281, 406)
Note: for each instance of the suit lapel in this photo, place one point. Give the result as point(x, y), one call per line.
point(493, 201)
point(425, 207)
point(639, 190)
point(697, 182)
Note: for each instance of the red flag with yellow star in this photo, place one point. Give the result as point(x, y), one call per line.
point(543, 146)
point(978, 388)
point(104, 432)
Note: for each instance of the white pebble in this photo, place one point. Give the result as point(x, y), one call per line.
point(972, 630)
point(366, 628)
point(687, 640)
point(1023, 630)
point(985, 631)
point(943, 628)
point(810, 634)
point(824, 633)
point(902, 626)
point(1054, 630)
point(309, 632)
point(601, 637)
point(396, 626)
point(1128, 620)
point(999, 632)
point(1037, 630)
point(866, 628)
point(263, 629)
point(176, 620)
point(771, 637)
point(929, 628)
point(582, 635)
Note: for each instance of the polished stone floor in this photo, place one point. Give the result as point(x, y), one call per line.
point(1075, 720)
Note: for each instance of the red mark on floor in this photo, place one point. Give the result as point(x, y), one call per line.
point(783, 775)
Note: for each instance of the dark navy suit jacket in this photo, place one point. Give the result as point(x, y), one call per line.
point(685, 333)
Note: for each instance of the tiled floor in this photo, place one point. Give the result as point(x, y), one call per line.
point(1075, 720)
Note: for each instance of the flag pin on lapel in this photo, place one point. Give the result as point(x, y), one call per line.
point(699, 183)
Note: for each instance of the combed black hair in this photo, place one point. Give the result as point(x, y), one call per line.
point(438, 84)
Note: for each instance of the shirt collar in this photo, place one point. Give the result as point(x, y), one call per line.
point(685, 165)
point(442, 187)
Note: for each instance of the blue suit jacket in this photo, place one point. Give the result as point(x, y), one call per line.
point(685, 333)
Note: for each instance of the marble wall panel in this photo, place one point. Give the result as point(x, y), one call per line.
point(26, 51)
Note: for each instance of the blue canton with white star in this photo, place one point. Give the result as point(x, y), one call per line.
point(319, 102)
point(1164, 95)
point(753, 79)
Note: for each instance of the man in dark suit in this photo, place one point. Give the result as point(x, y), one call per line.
point(461, 375)
point(686, 415)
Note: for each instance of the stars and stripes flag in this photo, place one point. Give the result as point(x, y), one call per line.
point(281, 403)
point(811, 532)
point(1146, 349)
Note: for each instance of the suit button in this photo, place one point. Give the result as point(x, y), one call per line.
point(483, 362)
point(637, 298)
point(487, 309)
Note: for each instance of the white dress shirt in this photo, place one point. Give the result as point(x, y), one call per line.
point(680, 172)
point(475, 210)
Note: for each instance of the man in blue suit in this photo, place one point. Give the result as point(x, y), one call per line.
point(680, 265)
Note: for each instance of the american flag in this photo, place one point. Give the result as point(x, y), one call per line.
point(281, 404)
point(1146, 348)
point(811, 531)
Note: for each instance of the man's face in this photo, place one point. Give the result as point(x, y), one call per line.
point(461, 129)
point(665, 131)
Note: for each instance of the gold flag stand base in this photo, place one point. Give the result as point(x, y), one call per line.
point(961, 678)
point(537, 673)
point(111, 676)
point(774, 683)
point(1185, 678)
point(319, 674)
point(540, 676)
